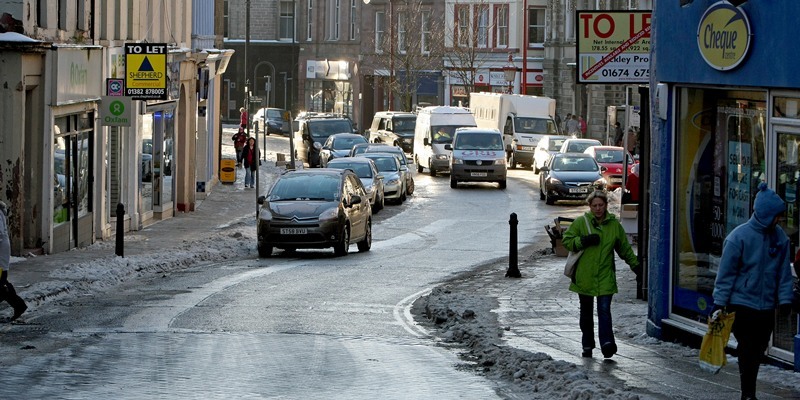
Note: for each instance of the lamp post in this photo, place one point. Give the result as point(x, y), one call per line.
point(391, 54)
point(510, 72)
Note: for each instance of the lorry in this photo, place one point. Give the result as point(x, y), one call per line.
point(435, 128)
point(523, 119)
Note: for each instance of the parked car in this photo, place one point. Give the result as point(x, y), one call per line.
point(478, 156)
point(369, 175)
point(394, 186)
point(318, 208)
point(358, 149)
point(274, 120)
point(569, 176)
point(395, 128)
point(611, 158)
point(547, 146)
point(401, 156)
point(313, 130)
point(573, 145)
point(338, 145)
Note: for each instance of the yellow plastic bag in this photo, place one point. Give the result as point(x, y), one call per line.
point(712, 350)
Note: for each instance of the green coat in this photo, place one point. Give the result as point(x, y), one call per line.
point(596, 274)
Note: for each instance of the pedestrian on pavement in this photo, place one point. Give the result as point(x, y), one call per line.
point(573, 127)
point(565, 127)
point(243, 118)
point(239, 139)
point(596, 272)
point(582, 125)
point(250, 158)
point(7, 292)
point(754, 279)
point(618, 134)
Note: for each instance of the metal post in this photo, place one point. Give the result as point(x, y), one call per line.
point(120, 242)
point(513, 269)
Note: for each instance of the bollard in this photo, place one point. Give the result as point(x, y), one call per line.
point(513, 270)
point(120, 229)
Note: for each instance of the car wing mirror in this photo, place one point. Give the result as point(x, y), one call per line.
point(603, 168)
point(426, 142)
point(544, 168)
point(380, 177)
point(261, 200)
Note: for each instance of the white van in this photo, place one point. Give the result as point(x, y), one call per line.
point(435, 127)
point(478, 156)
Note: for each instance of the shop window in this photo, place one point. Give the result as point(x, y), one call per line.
point(719, 162)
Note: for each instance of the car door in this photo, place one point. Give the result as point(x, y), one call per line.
point(356, 212)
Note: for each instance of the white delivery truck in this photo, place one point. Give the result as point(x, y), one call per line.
point(435, 128)
point(523, 120)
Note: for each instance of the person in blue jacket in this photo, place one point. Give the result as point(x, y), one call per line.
point(755, 278)
point(7, 292)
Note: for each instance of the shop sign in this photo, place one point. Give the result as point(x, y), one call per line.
point(499, 78)
point(326, 69)
point(115, 111)
point(146, 71)
point(723, 36)
point(458, 91)
point(613, 47)
point(79, 72)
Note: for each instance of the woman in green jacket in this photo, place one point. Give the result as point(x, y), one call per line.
point(596, 273)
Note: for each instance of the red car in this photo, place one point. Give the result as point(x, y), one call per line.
point(611, 158)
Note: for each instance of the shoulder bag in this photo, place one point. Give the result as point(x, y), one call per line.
point(572, 258)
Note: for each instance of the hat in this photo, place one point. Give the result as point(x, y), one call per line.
point(767, 204)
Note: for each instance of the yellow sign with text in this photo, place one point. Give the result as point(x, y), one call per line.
point(146, 70)
point(723, 36)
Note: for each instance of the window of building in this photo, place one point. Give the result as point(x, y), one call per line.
point(720, 159)
point(536, 27)
point(425, 28)
point(380, 28)
point(483, 25)
point(62, 14)
point(225, 18)
point(353, 19)
point(501, 24)
point(333, 19)
point(287, 20)
point(462, 25)
point(401, 33)
point(309, 18)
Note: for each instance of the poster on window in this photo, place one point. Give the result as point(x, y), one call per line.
point(739, 161)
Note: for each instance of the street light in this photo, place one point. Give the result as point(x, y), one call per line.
point(391, 53)
point(510, 72)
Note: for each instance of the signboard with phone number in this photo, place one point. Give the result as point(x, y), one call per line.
point(613, 47)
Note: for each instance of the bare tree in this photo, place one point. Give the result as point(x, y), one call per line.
point(467, 38)
point(405, 44)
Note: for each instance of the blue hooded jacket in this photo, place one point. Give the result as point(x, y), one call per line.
point(754, 270)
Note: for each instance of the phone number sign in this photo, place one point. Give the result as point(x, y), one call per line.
point(146, 71)
point(613, 47)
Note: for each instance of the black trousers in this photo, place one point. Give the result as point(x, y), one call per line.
point(752, 329)
point(8, 294)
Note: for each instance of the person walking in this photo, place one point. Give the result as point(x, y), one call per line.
point(7, 292)
point(565, 127)
point(754, 279)
point(573, 127)
point(250, 159)
point(239, 139)
point(596, 275)
point(243, 118)
point(582, 125)
point(618, 134)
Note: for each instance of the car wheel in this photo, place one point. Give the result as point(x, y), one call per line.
point(264, 250)
point(379, 203)
point(341, 248)
point(432, 170)
point(548, 199)
point(453, 182)
point(541, 194)
point(512, 161)
point(419, 166)
point(403, 191)
point(366, 243)
point(502, 184)
point(411, 187)
point(535, 168)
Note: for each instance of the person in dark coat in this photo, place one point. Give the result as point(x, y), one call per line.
point(239, 139)
point(250, 158)
point(7, 292)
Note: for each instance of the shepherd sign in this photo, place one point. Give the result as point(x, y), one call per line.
point(613, 47)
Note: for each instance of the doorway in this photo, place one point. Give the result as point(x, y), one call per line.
point(72, 176)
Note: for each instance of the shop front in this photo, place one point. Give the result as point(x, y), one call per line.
point(726, 118)
point(328, 88)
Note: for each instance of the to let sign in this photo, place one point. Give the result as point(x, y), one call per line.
point(613, 47)
point(146, 71)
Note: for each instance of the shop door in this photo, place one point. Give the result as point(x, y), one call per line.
point(72, 191)
point(788, 187)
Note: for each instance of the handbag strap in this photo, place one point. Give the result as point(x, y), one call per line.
point(588, 227)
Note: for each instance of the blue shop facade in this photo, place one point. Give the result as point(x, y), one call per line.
point(725, 116)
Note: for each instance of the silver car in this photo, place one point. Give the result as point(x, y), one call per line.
point(369, 175)
point(394, 185)
point(401, 156)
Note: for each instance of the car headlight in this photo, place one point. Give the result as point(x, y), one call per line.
point(500, 161)
point(554, 181)
point(393, 181)
point(329, 214)
point(442, 157)
point(457, 160)
point(265, 215)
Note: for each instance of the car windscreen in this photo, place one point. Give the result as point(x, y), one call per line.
point(323, 128)
point(347, 143)
point(555, 144)
point(443, 134)
point(385, 163)
point(539, 126)
point(574, 164)
point(609, 156)
point(306, 187)
point(274, 114)
point(361, 169)
point(404, 125)
point(477, 141)
point(579, 147)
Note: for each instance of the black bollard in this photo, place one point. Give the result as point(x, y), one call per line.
point(513, 270)
point(120, 229)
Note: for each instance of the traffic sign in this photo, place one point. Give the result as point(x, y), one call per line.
point(256, 99)
point(146, 71)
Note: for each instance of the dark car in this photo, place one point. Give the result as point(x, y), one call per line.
point(313, 130)
point(358, 149)
point(569, 176)
point(274, 120)
point(318, 208)
point(338, 145)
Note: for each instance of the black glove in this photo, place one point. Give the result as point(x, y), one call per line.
point(590, 240)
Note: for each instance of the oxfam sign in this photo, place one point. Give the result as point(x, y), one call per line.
point(115, 111)
point(723, 36)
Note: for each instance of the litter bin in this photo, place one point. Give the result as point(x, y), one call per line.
point(227, 170)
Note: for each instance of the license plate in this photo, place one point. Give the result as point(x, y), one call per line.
point(477, 174)
point(294, 231)
point(579, 190)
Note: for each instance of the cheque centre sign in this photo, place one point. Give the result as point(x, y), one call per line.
point(613, 47)
point(146, 71)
